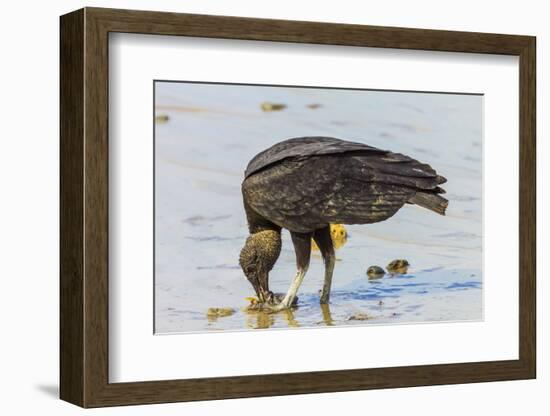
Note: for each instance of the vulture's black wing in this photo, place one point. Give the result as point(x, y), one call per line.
point(303, 147)
point(305, 192)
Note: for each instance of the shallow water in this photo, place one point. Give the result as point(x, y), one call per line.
point(201, 152)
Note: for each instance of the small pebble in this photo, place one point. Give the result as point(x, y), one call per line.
point(375, 272)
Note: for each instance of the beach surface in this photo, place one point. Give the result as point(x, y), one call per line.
point(205, 135)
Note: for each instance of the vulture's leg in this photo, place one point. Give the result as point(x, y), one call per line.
point(324, 242)
point(302, 247)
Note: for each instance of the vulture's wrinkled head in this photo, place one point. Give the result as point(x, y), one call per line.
point(257, 258)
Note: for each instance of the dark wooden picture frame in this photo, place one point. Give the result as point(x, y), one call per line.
point(84, 207)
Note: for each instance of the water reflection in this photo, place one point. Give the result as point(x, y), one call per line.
point(327, 316)
point(258, 319)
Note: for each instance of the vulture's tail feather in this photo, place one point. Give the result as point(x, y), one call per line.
point(431, 201)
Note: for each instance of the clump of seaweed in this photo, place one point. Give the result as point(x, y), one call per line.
point(267, 106)
point(162, 118)
point(219, 312)
point(399, 266)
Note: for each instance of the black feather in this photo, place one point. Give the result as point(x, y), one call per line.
point(303, 184)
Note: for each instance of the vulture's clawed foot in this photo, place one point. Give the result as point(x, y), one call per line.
point(278, 302)
point(275, 302)
point(273, 308)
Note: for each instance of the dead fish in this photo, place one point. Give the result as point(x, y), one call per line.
point(267, 106)
point(375, 272)
point(219, 312)
point(314, 106)
point(162, 118)
point(338, 235)
point(399, 266)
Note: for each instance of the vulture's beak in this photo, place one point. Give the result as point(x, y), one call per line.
point(261, 286)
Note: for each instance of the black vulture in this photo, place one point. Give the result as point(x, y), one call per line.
point(304, 184)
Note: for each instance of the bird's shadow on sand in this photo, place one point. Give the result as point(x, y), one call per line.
point(51, 390)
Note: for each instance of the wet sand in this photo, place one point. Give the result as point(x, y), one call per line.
point(201, 152)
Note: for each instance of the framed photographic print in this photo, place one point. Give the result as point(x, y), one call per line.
point(255, 207)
